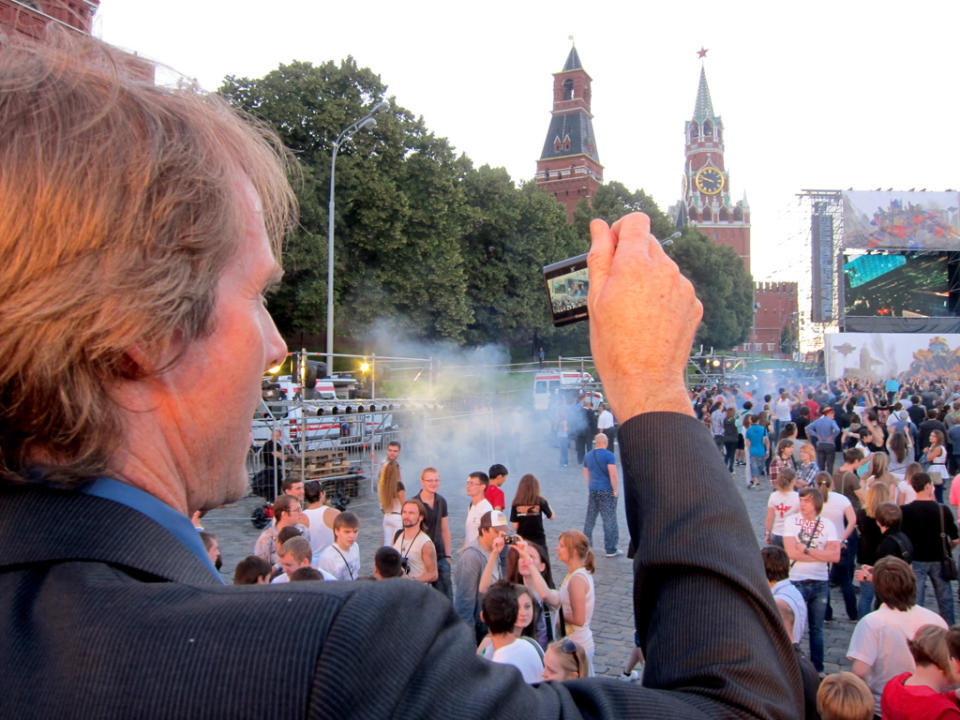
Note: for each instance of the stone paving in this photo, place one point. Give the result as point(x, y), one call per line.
point(566, 492)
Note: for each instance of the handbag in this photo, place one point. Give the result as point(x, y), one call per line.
point(948, 568)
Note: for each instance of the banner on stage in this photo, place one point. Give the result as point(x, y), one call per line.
point(904, 357)
point(901, 220)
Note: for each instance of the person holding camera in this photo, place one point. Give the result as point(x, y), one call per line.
point(143, 226)
point(418, 555)
point(478, 568)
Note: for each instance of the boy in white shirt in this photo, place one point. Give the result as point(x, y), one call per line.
point(342, 558)
point(500, 609)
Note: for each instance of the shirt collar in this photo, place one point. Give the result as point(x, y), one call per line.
point(172, 521)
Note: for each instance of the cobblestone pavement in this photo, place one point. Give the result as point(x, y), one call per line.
point(566, 492)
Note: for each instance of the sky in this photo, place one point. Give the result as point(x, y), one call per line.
point(822, 95)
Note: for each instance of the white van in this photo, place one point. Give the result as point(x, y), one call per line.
point(547, 382)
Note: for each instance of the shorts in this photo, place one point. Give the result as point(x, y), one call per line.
point(758, 464)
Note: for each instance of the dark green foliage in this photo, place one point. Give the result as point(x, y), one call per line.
point(430, 245)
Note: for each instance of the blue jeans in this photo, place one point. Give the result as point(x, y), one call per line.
point(842, 574)
point(941, 587)
point(815, 593)
point(867, 595)
point(757, 463)
point(603, 502)
point(442, 583)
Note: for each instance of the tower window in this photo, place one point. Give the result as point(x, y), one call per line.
point(707, 128)
point(694, 132)
point(556, 144)
point(566, 142)
point(568, 89)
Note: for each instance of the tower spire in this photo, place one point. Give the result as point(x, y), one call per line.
point(703, 110)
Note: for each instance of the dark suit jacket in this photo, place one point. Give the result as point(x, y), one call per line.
point(107, 616)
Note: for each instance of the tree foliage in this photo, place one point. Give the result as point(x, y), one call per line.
point(722, 283)
point(429, 244)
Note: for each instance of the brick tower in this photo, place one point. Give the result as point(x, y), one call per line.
point(30, 18)
point(569, 167)
point(706, 201)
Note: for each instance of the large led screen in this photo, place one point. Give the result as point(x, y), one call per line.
point(901, 220)
point(902, 285)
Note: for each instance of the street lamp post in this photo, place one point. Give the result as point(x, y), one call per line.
point(367, 121)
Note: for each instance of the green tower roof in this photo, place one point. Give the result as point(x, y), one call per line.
point(704, 106)
point(573, 61)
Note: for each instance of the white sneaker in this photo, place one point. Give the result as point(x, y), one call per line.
point(632, 677)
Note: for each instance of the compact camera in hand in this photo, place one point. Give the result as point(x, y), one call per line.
point(567, 284)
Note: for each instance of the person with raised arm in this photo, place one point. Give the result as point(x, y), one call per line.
point(141, 228)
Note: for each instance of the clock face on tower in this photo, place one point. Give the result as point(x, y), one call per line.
point(709, 180)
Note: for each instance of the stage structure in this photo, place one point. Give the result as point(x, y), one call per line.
point(886, 262)
point(886, 275)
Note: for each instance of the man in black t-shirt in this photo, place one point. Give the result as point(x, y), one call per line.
point(921, 523)
point(437, 526)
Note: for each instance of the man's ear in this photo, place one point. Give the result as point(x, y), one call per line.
point(482, 618)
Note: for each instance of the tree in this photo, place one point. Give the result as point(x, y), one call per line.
point(612, 201)
point(788, 339)
point(723, 285)
point(512, 234)
point(399, 206)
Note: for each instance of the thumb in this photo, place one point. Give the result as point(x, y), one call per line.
point(599, 258)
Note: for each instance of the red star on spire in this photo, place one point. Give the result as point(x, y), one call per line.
point(702, 52)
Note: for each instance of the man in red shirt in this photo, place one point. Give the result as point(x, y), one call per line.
point(494, 495)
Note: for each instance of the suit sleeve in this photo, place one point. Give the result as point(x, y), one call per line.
point(714, 642)
point(703, 609)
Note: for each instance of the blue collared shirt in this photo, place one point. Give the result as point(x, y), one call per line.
point(172, 521)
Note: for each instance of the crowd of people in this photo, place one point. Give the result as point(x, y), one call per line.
point(503, 587)
point(857, 474)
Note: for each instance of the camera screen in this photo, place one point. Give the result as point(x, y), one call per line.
point(567, 284)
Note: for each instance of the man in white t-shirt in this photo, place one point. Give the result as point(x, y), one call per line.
point(781, 412)
point(878, 646)
point(342, 558)
point(607, 424)
point(500, 609)
point(477, 483)
point(812, 542)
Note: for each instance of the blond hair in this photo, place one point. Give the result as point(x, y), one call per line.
point(845, 696)
point(389, 488)
point(120, 210)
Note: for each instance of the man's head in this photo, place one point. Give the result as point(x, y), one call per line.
point(313, 492)
point(922, 484)
point(430, 479)
point(776, 564)
point(345, 529)
point(134, 255)
point(477, 483)
point(393, 450)
point(412, 513)
point(286, 511)
point(292, 486)
point(889, 516)
point(212, 547)
point(498, 474)
point(500, 608)
point(387, 563)
point(895, 583)
point(252, 570)
point(492, 524)
point(827, 412)
point(811, 501)
point(600, 441)
point(295, 553)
